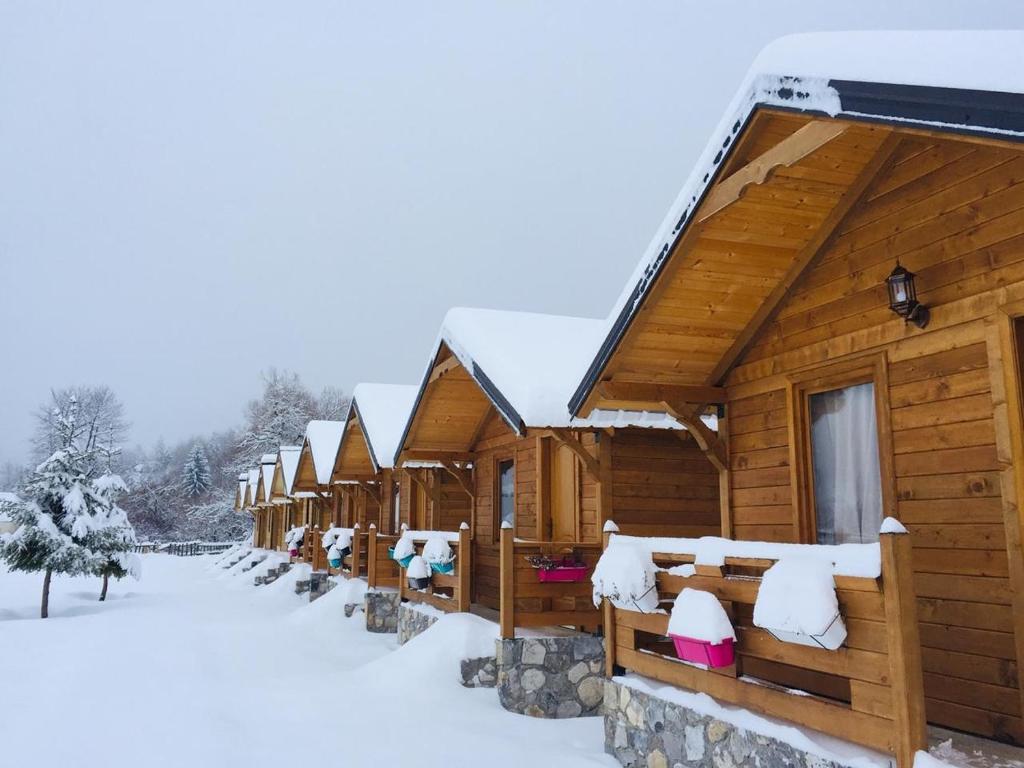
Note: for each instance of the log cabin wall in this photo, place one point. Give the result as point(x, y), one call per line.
point(953, 213)
point(663, 485)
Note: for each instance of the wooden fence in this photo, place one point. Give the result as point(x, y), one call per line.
point(449, 592)
point(188, 548)
point(525, 601)
point(869, 691)
point(381, 570)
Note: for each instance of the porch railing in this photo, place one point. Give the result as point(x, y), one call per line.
point(869, 691)
point(381, 570)
point(448, 592)
point(525, 601)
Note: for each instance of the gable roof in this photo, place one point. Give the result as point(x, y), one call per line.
point(252, 486)
point(383, 411)
point(323, 439)
point(267, 464)
point(284, 470)
point(240, 496)
point(974, 87)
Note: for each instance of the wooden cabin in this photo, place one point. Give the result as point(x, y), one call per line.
point(842, 280)
point(259, 524)
point(491, 411)
point(285, 504)
point(312, 484)
point(273, 515)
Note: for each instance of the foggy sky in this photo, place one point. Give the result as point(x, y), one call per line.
point(191, 192)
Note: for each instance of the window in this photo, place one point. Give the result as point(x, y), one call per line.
point(507, 492)
point(841, 454)
point(844, 458)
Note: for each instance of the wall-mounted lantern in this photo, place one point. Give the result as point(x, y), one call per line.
point(903, 297)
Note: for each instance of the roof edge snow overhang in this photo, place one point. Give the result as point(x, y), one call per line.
point(354, 410)
point(501, 404)
point(968, 112)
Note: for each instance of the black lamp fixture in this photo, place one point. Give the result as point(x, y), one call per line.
point(903, 297)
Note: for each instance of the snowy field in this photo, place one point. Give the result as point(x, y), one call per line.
point(194, 667)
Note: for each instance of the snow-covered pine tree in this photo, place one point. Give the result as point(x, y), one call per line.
point(197, 479)
point(112, 537)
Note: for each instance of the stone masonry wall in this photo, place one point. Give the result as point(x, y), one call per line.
point(381, 611)
point(644, 731)
point(480, 672)
point(551, 676)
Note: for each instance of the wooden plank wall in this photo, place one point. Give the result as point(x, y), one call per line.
point(953, 213)
point(663, 486)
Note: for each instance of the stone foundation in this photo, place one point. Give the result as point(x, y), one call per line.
point(645, 731)
point(480, 672)
point(381, 611)
point(273, 574)
point(551, 677)
point(319, 585)
point(301, 586)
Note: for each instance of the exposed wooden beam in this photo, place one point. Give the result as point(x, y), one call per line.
point(794, 148)
point(566, 438)
point(372, 490)
point(629, 394)
point(706, 439)
point(443, 367)
point(464, 477)
point(435, 454)
point(768, 309)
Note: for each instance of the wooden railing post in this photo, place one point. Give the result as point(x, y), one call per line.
point(506, 593)
point(608, 610)
point(357, 552)
point(464, 566)
point(906, 680)
point(371, 557)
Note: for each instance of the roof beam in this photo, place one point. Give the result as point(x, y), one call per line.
point(435, 454)
point(794, 148)
point(568, 439)
point(463, 476)
point(443, 367)
point(766, 312)
point(708, 441)
point(630, 395)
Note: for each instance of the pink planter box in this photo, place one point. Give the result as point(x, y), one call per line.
point(702, 652)
point(293, 553)
point(564, 574)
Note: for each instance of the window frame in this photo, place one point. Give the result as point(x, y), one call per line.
point(800, 386)
point(498, 460)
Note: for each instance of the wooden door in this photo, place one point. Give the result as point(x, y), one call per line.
point(564, 494)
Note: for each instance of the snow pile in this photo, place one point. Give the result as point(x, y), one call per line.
point(324, 439)
point(286, 583)
point(627, 576)
point(404, 547)
point(418, 568)
point(337, 537)
point(293, 538)
point(437, 550)
point(383, 411)
point(699, 616)
point(331, 606)
point(860, 560)
point(797, 601)
point(892, 525)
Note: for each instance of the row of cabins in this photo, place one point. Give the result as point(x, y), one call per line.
point(824, 333)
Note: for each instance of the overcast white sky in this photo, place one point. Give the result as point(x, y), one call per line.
point(191, 192)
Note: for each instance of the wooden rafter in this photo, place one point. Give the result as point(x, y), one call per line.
point(372, 490)
point(464, 477)
point(566, 438)
point(642, 396)
point(688, 415)
point(428, 453)
point(443, 367)
point(766, 312)
point(794, 148)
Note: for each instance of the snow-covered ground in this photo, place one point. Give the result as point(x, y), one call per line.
point(194, 667)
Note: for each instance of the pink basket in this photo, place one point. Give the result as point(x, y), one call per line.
point(563, 573)
point(702, 652)
point(293, 553)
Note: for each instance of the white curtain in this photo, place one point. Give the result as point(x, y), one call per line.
point(847, 481)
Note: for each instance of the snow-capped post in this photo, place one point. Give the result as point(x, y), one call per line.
point(607, 609)
point(371, 558)
point(464, 566)
point(357, 552)
point(906, 678)
point(506, 599)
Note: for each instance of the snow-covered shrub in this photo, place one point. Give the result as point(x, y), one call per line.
point(334, 553)
point(293, 538)
point(437, 550)
point(699, 615)
point(797, 603)
point(418, 568)
point(339, 537)
point(627, 576)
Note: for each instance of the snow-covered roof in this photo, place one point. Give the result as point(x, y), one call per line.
point(253, 482)
point(383, 411)
point(961, 81)
point(267, 470)
point(528, 365)
point(268, 458)
point(289, 464)
point(324, 437)
point(243, 487)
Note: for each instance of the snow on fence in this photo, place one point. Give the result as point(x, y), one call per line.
point(187, 548)
point(449, 592)
point(528, 600)
point(868, 691)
